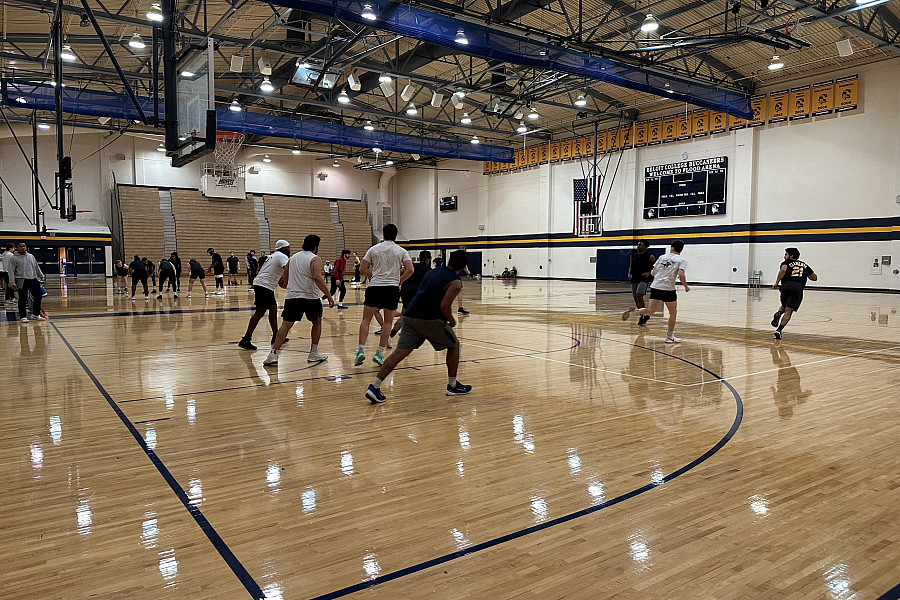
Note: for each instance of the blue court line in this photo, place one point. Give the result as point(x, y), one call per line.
point(891, 594)
point(221, 547)
point(378, 580)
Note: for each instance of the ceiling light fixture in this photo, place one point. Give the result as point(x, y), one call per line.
point(384, 78)
point(367, 13)
point(376, 150)
point(43, 126)
point(266, 159)
point(368, 126)
point(234, 106)
point(460, 93)
point(388, 162)
point(412, 110)
point(188, 74)
point(776, 63)
point(295, 151)
point(67, 53)
point(266, 85)
point(343, 98)
point(161, 148)
point(475, 140)
point(155, 13)
point(335, 164)
point(182, 138)
point(466, 119)
point(522, 128)
point(461, 37)
point(533, 114)
point(137, 41)
point(650, 23)
point(581, 101)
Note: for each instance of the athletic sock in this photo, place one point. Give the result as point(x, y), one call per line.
point(451, 381)
point(362, 346)
point(376, 384)
point(380, 349)
point(313, 348)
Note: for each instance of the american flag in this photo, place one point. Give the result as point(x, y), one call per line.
point(580, 187)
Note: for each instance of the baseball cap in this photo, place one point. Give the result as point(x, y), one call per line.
point(282, 244)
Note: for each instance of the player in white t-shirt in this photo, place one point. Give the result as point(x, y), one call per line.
point(382, 265)
point(264, 292)
point(667, 269)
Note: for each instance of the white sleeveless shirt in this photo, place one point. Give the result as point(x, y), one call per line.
point(301, 283)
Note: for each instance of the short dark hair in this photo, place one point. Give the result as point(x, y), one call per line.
point(344, 251)
point(424, 256)
point(10, 245)
point(311, 242)
point(644, 242)
point(389, 231)
point(792, 252)
point(678, 245)
point(457, 260)
point(210, 250)
point(136, 257)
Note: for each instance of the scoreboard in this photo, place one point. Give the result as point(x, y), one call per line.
point(690, 188)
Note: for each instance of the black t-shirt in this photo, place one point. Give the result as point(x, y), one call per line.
point(797, 270)
point(176, 262)
point(150, 267)
point(640, 264)
point(262, 260)
point(165, 265)
point(122, 271)
point(412, 282)
point(232, 264)
point(137, 266)
point(218, 266)
point(196, 268)
point(426, 304)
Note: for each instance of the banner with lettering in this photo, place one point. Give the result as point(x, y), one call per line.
point(800, 102)
point(846, 91)
point(823, 98)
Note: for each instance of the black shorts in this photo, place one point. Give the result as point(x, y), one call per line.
point(198, 275)
point(263, 296)
point(296, 308)
point(664, 295)
point(230, 272)
point(383, 296)
point(791, 294)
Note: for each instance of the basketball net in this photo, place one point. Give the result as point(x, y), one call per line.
point(794, 28)
point(228, 143)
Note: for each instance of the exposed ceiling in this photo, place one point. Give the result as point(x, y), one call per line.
point(721, 43)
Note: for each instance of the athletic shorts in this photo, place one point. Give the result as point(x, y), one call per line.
point(296, 308)
point(198, 275)
point(791, 294)
point(383, 296)
point(664, 295)
point(263, 296)
point(416, 331)
point(639, 284)
point(230, 272)
point(220, 275)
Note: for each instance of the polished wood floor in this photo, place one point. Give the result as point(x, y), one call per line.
point(143, 455)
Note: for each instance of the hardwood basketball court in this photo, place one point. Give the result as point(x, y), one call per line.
point(146, 456)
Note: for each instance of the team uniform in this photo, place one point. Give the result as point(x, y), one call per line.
point(665, 274)
point(166, 274)
point(302, 297)
point(793, 282)
point(411, 285)
point(386, 259)
point(232, 265)
point(422, 317)
point(266, 280)
point(640, 264)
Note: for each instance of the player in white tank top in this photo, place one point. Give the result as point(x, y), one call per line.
point(301, 281)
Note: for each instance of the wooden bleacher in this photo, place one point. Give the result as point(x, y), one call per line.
point(142, 224)
point(293, 218)
point(226, 225)
point(357, 230)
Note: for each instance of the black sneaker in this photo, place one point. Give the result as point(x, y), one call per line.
point(777, 334)
point(159, 297)
point(776, 318)
point(376, 332)
point(458, 390)
point(374, 395)
point(643, 319)
point(462, 311)
point(286, 340)
point(394, 332)
point(246, 345)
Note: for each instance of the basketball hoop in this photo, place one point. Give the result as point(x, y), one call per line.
point(223, 178)
point(227, 145)
point(793, 27)
point(82, 211)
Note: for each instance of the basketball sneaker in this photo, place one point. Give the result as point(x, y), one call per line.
point(776, 318)
point(360, 357)
point(23, 320)
point(342, 307)
point(316, 357)
point(159, 297)
point(627, 314)
point(245, 344)
point(378, 359)
point(271, 359)
point(777, 334)
point(458, 390)
point(189, 294)
point(643, 319)
point(462, 311)
point(671, 339)
point(374, 395)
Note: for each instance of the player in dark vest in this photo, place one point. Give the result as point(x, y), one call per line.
point(792, 276)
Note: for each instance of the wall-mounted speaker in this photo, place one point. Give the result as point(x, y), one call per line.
point(408, 92)
point(237, 63)
point(387, 88)
point(844, 47)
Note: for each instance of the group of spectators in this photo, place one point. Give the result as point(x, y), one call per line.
point(19, 271)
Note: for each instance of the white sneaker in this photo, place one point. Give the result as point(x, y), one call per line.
point(671, 339)
point(23, 320)
point(271, 359)
point(316, 357)
point(132, 297)
point(189, 294)
point(206, 294)
point(146, 296)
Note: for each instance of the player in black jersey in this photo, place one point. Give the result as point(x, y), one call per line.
point(792, 276)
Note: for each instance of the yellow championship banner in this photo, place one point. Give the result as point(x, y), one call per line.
point(554, 151)
point(846, 93)
point(758, 106)
point(640, 134)
point(823, 98)
point(544, 154)
point(800, 102)
point(505, 166)
point(700, 119)
point(602, 142)
point(496, 167)
point(685, 127)
point(520, 158)
point(576, 147)
point(778, 106)
point(623, 138)
point(654, 132)
point(487, 167)
point(736, 123)
point(586, 145)
point(718, 122)
point(670, 131)
point(532, 156)
point(565, 151)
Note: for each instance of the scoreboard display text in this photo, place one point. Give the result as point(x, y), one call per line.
point(690, 188)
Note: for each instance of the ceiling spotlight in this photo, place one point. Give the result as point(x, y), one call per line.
point(368, 126)
point(53, 83)
point(295, 151)
point(460, 93)
point(384, 78)
point(412, 110)
point(368, 13)
point(475, 140)
point(21, 100)
point(188, 74)
point(136, 41)
point(161, 148)
point(533, 114)
point(650, 23)
point(461, 37)
point(155, 13)
point(266, 85)
point(335, 164)
point(266, 159)
point(466, 119)
point(43, 126)
point(376, 150)
point(581, 100)
point(67, 53)
point(182, 138)
point(389, 162)
point(343, 98)
point(776, 63)
point(303, 64)
point(234, 106)
point(415, 156)
point(522, 128)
